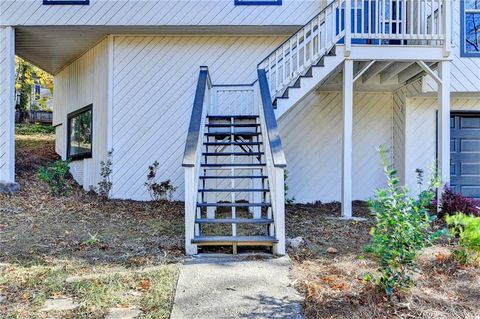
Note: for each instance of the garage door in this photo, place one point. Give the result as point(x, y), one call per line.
point(465, 154)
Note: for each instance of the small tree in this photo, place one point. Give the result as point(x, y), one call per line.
point(105, 184)
point(402, 229)
point(158, 190)
point(55, 176)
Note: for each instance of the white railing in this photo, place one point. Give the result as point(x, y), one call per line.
point(401, 20)
point(304, 48)
point(192, 157)
point(233, 100)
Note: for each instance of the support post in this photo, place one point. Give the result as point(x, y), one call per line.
point(447, 27)
point(348, 27)
point(347, 139)
point(190, 210)
point(279, 213)
point(7, 110)
point(444, 122)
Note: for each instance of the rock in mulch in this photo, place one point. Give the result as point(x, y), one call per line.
point(296, 243)
point(123, 313)
point(61, 304)
point(2, 298)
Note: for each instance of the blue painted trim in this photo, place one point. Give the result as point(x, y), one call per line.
point(463, 52)
point(66, 2)
point(258, 3)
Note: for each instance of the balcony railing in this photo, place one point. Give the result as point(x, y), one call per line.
point(368, 22)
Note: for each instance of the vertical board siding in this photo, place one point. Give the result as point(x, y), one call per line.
point(312, 138)
point(3, 102)
point(81, 83)
point(420, 132)
point(158, 12)
point(154, 85)
point(233, 101)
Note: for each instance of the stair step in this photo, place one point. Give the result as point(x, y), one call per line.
point(234, 204)
point(217, 240)
point(233, 190)
point(235, 165)
point(233, 124)
point(223, 134)
point(230, 143)
point(234, 177)
point(234, 220)
point(228, 117)
point(233, 153)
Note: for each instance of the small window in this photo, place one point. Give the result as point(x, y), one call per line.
point(67, 2)
point(80, 133)
point(470, 28)
point(258, 2)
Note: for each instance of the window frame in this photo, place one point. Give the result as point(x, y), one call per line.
point(66, 2)
point(258, 2)
point(70, 116)
point(463, 13)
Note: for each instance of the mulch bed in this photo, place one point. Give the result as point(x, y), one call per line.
point(34, 225)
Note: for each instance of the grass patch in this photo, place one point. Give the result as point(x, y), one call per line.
point(95, 289)
point(34, 129)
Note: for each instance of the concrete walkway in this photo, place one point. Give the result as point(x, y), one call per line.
point(236, 287)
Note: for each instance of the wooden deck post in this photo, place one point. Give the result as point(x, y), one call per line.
point(347, 139)
point(190, 210)
point(444, 121)
point(7, 110)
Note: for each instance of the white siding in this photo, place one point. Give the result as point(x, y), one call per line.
point(82, 83)
point(312, 137)
point(154, 85)
point(157, 12)
point(465, 72)
point(7, 144)
point(420, 132)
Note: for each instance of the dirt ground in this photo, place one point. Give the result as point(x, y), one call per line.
point(122, 254)
point(333, 282)
point(48, 239)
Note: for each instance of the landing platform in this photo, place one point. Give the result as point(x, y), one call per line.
point(236, 287)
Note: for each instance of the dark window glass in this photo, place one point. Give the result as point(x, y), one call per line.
point(80, 133)
point(67, 2)
point(471, 28)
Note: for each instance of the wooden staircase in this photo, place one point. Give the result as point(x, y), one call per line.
point(233, 206)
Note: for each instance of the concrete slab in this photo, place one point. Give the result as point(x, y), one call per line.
point(236, 287)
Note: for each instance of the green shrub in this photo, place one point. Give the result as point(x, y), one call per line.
point(467, 228)
point(105, 184)
point(402, 229)
point(33, 129)
point(55, 176)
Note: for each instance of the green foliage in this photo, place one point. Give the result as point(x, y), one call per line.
point(55, 176)
point(26, 76)
point(105, 185)
point(93, 240)
point(33, 129)
point(467, 228)
point(158, 190)
point(402, 229)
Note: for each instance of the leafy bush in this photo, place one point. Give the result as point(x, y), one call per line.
point(467, 228)
point(402, 229)
point(452, 203)
point(105, 184)
point(158, 191)
point(55, 176)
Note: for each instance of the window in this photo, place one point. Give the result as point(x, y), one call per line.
point(79, 133)
point(67, 2)
point(258, 2)
point(37, 91)
point(470, 28)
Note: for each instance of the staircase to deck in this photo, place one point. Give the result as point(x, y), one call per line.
point(234, 161)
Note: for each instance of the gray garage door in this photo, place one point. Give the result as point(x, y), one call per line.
point(465, 153)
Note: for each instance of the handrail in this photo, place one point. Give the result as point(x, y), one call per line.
point(304, 48)
point(272, 133)
point(193, 137)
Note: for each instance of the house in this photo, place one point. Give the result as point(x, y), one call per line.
point(237, 91)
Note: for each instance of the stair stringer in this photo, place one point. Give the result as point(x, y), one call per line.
point(309, 83)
